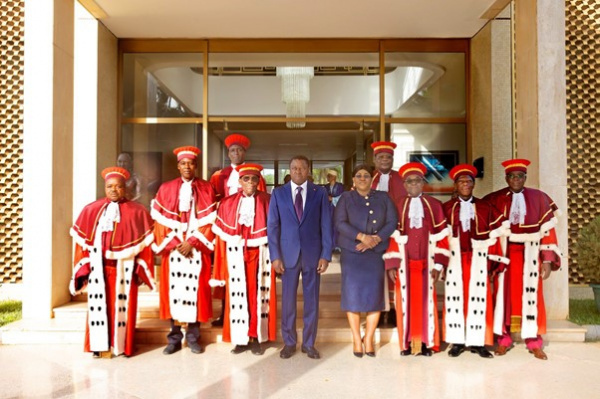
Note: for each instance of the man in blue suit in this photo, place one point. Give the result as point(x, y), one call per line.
point(299, 231)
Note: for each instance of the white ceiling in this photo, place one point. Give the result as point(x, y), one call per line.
point(293, 18)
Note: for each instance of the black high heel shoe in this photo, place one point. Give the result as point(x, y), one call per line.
point(370, 354)
point(359, 354)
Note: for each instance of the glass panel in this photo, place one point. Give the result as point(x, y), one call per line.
point(255, 84)
point(425, 85)
point(438, 146)
point(321, 168)
point(162, 85)
point(151, 149)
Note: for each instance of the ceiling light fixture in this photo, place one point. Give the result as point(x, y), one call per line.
point(295, 92)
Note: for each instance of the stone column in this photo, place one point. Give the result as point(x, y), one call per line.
point(540, 100)
point(47, 155)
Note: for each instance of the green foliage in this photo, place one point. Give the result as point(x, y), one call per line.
point(583, 311)
point(10, 311)
point(588, 251)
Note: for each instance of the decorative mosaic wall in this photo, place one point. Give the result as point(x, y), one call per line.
point(583, 138)
point(11, 139)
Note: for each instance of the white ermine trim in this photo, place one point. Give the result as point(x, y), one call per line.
point(144, 266)
point(159, 248)
point(525, 237)
point(440, 236)
point(78, 266)
point(208, 244)
point(216, 283)
point(454, 317)
point(130, 252)
point(551, 247)
point(498, 258)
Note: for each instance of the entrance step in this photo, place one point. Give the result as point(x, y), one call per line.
point(68, 324)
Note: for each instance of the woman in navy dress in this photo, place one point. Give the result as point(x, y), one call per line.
point(364, 220)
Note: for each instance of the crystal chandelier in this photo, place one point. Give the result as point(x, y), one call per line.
point(295, 92)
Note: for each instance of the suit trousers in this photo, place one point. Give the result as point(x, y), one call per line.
point(289, 291)
point(192, 333)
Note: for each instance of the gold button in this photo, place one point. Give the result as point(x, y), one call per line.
point(368, 204)
point(374, 221)
point(367, 197)
point(371, 212)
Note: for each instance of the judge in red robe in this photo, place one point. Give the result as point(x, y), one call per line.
point(226, 182)
point(417, 253)
point(388, 180)
point(533, 252)
point(112, 257)
point(184, 210)
point(475, 254)
point(243, 266)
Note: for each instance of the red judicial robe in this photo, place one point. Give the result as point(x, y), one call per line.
point(243, 265)
point(520, 298)
point(219, 182)
point(396, 185)
point(414, 252)
point(184, 289)
point(113, 263)
point(468, 306)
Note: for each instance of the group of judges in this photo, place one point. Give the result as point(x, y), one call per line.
point(229, 239)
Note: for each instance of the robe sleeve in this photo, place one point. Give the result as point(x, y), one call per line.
point(549, 251)
point(160, 235)
point(81, 270)
point(220, 274)
point(145, 267)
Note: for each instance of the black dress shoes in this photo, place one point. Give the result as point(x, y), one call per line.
point(256, 348)
point(405, 352)
point(481, 351)
point(172, 348)
point(195, 347)
point(239, 349)
point(311, 352)
point(287, 352)
point(425, 351)
point(456, 350)
point(218, 322)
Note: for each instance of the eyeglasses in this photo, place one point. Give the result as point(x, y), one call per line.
point(366, 176)
point(250, 178)
point(417, 180)
point(516, 176)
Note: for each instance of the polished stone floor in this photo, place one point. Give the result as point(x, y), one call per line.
point(64, 371)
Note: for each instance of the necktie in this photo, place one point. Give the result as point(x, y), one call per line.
point(298, 203)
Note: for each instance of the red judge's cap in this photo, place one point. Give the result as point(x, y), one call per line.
point(412, 168)
point(189, 151)
point(383, 146)
point(463, 169)
point(237, 139)
point(115, 171)
point(516, 165)
point(249, 169)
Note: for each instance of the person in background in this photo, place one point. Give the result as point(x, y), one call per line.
point(475, 255)
point(184, 210)
point(533, 252)
point(388, 180)
point(417, 254)
point(242, 264)
point(133, 188)
point(112, 257)
point(227, 182)
point(334, 191)
point(364, 219)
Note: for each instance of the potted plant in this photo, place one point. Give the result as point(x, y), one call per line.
point(588, 256)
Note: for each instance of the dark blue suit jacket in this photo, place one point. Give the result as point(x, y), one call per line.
point(354, 214)
point(311, 236)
